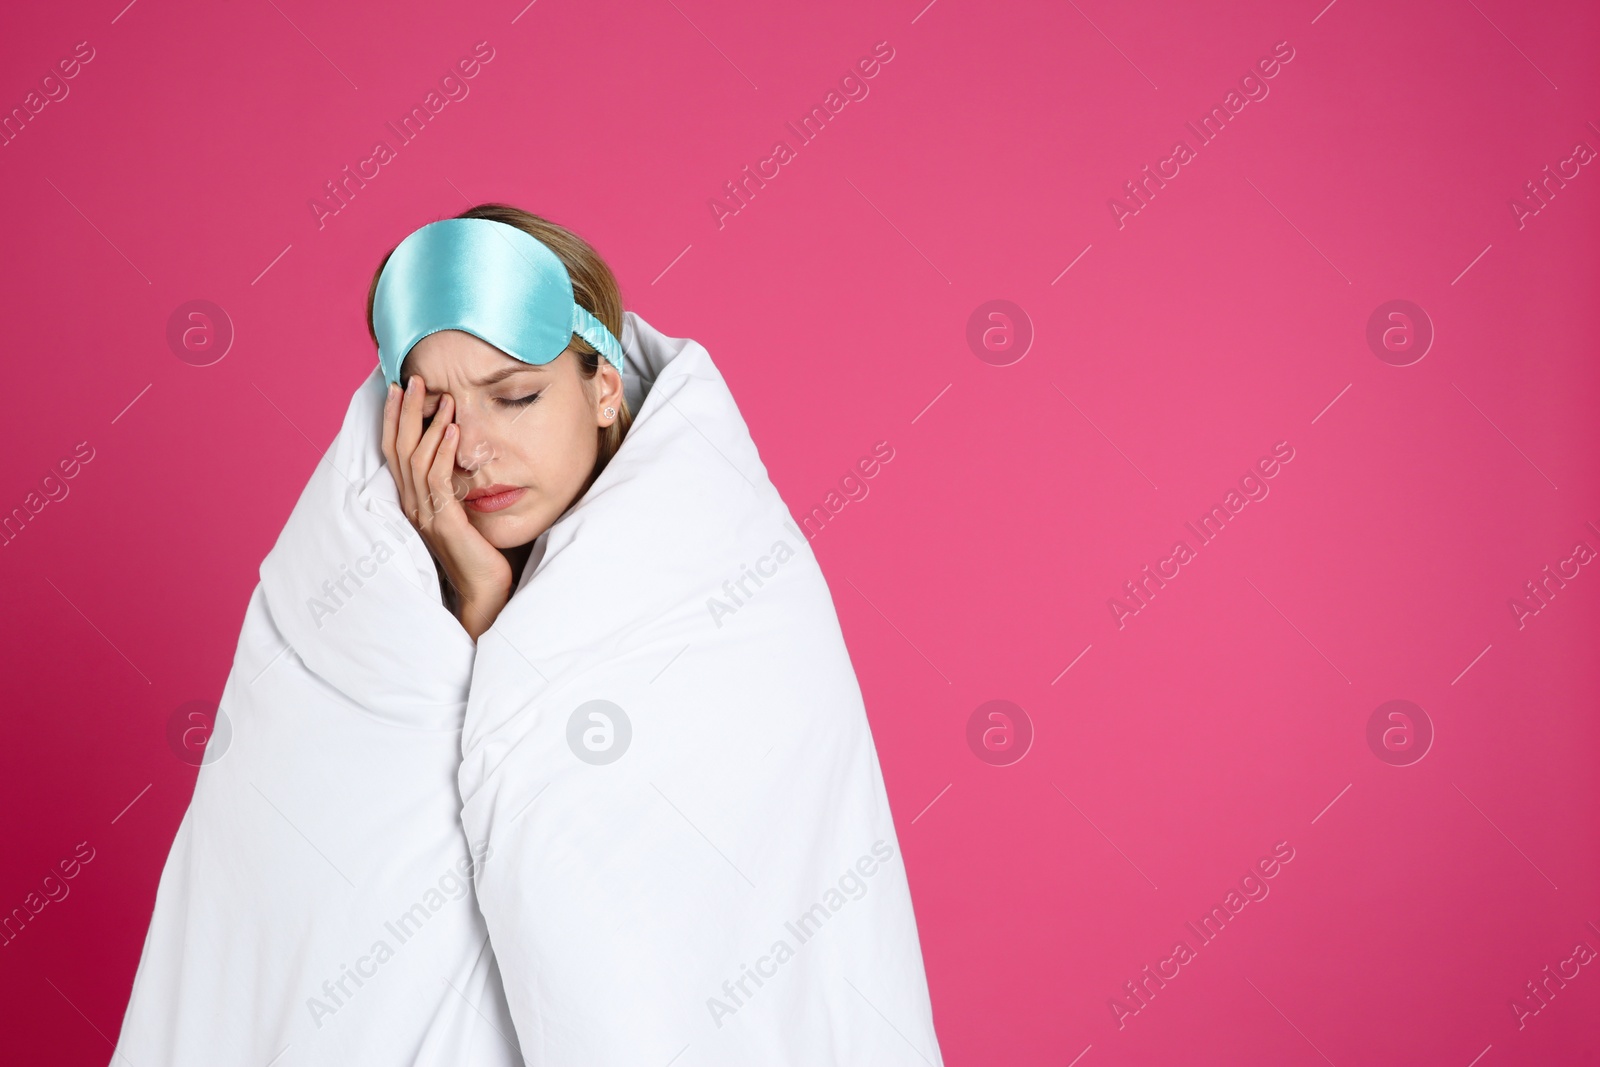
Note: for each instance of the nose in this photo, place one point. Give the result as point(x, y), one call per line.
point(474, 448)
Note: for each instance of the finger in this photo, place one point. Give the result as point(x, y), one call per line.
point(426, 452)
point(410, 427)
point(391, 413)
point(441, 488)
point(407, 431)
point(399, 459)
point(391, 421)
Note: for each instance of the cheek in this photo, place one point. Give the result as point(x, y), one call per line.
point(556, 446)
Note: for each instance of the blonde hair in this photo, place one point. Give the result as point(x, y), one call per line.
point(594, 287)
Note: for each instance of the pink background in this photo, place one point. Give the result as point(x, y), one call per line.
point(1229, 714)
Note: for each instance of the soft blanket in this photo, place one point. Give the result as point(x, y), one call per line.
point(655, 767)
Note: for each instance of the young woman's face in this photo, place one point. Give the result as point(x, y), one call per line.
point(528, 433)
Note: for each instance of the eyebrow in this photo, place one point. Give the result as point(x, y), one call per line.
point(502, 374)
point(505, 372)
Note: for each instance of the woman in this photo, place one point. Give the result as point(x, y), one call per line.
point(481, 470)
point(506, 785)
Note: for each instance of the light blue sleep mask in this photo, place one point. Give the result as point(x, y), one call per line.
point(490, 279)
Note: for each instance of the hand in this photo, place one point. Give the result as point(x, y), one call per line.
point(423, 463)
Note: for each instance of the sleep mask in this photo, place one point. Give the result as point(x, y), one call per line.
point(490, 279)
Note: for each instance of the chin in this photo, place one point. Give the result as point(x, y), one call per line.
point(505, 529)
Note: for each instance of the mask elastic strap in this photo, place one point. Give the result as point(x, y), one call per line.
point(594, 331)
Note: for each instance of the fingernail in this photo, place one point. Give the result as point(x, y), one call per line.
point(450, 431)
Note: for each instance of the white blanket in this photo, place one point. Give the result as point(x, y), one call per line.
point(663, 760)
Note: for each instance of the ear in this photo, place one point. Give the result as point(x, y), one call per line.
point(607, 383)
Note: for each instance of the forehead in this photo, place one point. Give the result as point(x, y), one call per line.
point(458, 356)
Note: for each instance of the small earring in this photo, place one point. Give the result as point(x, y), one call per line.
point(610, 413)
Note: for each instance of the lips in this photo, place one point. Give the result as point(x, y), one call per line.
point(494, 497)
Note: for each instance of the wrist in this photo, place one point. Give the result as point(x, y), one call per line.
point(479, 608)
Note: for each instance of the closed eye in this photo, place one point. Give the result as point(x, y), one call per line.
point(519, 401)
